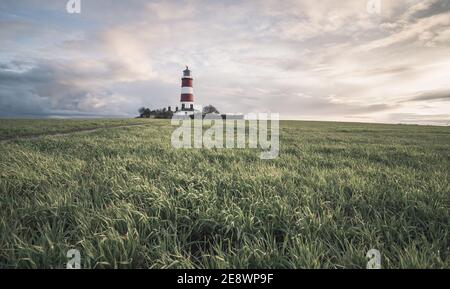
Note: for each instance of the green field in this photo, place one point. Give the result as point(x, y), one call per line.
point(11, 129)
point(126, 199)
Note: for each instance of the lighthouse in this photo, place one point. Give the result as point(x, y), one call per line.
point(188, 106)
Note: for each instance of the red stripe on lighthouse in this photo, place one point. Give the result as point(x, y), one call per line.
point(187, 97)
point(186, 82)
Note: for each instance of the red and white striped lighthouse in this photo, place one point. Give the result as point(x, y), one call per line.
point(187, 91)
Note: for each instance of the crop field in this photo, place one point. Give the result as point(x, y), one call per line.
point(11, 129)
point(125, 198)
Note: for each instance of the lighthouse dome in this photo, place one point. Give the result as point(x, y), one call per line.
point(187, 72)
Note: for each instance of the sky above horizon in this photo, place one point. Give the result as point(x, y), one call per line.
point(312, 60)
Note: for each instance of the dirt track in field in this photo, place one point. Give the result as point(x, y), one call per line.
point(65, 133)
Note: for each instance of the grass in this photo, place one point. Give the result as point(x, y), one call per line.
point(16, 128)
point(126, 199)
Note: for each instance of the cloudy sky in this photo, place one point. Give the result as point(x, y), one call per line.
point(318, 59)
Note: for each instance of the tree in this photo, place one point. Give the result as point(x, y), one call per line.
point(210, 109)
point(144, 112)
point(157, 113)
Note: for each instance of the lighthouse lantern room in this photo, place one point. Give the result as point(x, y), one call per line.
point(188, 106)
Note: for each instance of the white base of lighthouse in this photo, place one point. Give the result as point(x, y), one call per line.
point(189, 108)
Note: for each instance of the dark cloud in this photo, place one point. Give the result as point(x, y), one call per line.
point(68, 88)
point(40, 89)
point(435, 7)
point(441, 95)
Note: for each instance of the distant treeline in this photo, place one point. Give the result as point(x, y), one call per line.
point(157, 113)
point(145, 112)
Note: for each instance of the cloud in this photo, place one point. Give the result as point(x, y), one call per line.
point(440, 95)
point(304, 59)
